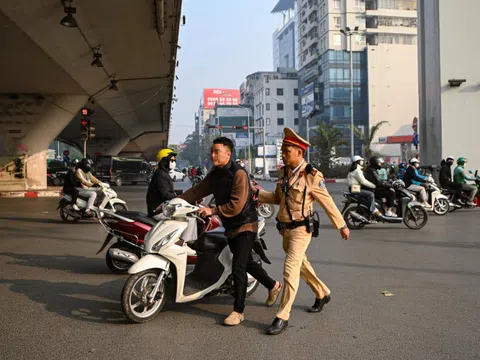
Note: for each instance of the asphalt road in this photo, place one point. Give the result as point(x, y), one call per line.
point(58, 299)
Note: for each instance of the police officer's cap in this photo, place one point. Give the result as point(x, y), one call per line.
point(291, 138)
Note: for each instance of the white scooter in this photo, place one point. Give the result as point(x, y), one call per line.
point(440, 204)
point(162, 272)
point(110, 201)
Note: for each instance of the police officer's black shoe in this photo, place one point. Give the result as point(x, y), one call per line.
point(277, 326)
point(319, 303)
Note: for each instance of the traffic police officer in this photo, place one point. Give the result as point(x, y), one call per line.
point(298, 186)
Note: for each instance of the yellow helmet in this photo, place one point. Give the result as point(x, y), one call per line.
point(164, 153)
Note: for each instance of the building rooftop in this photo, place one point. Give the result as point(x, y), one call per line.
point(283, 5)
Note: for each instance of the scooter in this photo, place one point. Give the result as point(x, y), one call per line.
point(440, 204)
point(130, 228)
point(408, 210)
point(465, 198)
point(110, 201)
point(162, 273)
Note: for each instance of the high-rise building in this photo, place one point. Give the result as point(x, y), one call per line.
point(285, 45)
point(384, 60)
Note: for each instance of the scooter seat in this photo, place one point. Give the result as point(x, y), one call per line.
point(138, 216)
point(211, 240)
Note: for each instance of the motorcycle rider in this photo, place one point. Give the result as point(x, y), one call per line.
point(356, 177)
point(401, 170)
point(235, 206)
point(414, 180)
point(71, 183)
point(88, 181)
point(461, 176)
point(160, 188)
point(446, 182)
point(382, 188)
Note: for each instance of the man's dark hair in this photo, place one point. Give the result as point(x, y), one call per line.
point(224, 141)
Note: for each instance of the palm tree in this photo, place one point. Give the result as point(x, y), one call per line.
point(367, 139)
point(327, 137)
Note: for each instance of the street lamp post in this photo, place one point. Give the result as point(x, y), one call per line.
point(248, 133)
point(349, 33)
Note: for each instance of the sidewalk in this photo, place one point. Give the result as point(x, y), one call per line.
point(51, 191)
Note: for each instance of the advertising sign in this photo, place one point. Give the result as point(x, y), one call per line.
point(306, 89)
point(220, 97)
point(241, 139)
point(271, 150)
point(308, 104)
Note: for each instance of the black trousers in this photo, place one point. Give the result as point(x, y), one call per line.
point(457, 188)
point(241, 248)
point(386, 193)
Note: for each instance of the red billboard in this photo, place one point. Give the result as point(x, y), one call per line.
point(220, 97)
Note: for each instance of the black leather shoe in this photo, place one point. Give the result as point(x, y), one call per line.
point(319, 303)
point(277, 326)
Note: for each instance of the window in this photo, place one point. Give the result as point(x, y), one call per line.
point(337, 40)
point(267, 92)
point(279, 106)
point(295, 92)
point(280, 121)
point(268, 121)
point(295, 107)
point(267, 106)
point(337, 21)
point(336, 4)
point(358, 5)
point(279, 92)
point(295, 121)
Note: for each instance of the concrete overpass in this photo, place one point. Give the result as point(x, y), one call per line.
point(47, 75)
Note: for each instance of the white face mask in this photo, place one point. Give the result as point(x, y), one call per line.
point(173, 164)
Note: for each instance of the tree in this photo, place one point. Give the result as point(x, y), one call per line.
point(196, 148)
point(368, 138)
point(327, 137)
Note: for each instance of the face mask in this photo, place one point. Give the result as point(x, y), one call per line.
point(173, 164)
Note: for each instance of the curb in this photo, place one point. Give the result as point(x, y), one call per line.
point(30, 194)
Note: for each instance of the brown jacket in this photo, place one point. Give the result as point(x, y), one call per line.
point(238, 200)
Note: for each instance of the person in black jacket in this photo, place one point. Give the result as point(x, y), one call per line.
point(160, 188)
point(71, 183)
point(382, 190)
point(446, 182)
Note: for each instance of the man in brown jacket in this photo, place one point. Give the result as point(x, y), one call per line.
point(229, 184)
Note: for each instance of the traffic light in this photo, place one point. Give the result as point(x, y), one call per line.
point(86, 112)
point(84, 129)
point(91, 129)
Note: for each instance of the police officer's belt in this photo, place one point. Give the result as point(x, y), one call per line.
point(289, 225)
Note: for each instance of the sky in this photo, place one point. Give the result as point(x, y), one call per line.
point(222, 42)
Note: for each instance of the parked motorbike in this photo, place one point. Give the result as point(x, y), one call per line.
point(109, 201)
point(408, 210)
point(130, 228)
point(161, 274)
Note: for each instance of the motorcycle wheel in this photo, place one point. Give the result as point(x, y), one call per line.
point(57, 182)
point(134, 297)
point(441, 206)
point(117, 266)
point(352, 223)
point(415, 217)
point(252, 284)
point(66, 212)
point(265, 210)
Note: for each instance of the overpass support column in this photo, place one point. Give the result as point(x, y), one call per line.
point(30, 172)
point(117, 146)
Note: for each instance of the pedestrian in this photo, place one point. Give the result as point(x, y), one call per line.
point(229, 184)
point(160, 188)
point(299, 186)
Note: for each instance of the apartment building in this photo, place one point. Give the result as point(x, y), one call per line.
point(285, 45)
point(384, 57)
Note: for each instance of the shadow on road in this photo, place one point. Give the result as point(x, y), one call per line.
point(388, 267)
point(69, 263)
point(93, 303)
point(45, 220)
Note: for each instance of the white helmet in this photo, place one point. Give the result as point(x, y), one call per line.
point(356, 158)
point(450, 158)
point(414, 161)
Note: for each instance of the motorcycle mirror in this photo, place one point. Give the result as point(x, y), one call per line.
point(476, 173)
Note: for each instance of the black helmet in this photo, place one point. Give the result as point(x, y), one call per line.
point(376, 162)
point(86, 165)
point(75, 162)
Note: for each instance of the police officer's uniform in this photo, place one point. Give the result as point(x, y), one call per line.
point(296, 192)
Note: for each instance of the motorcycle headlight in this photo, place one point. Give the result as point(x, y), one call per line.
point(169, 210)
point(164, 241)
